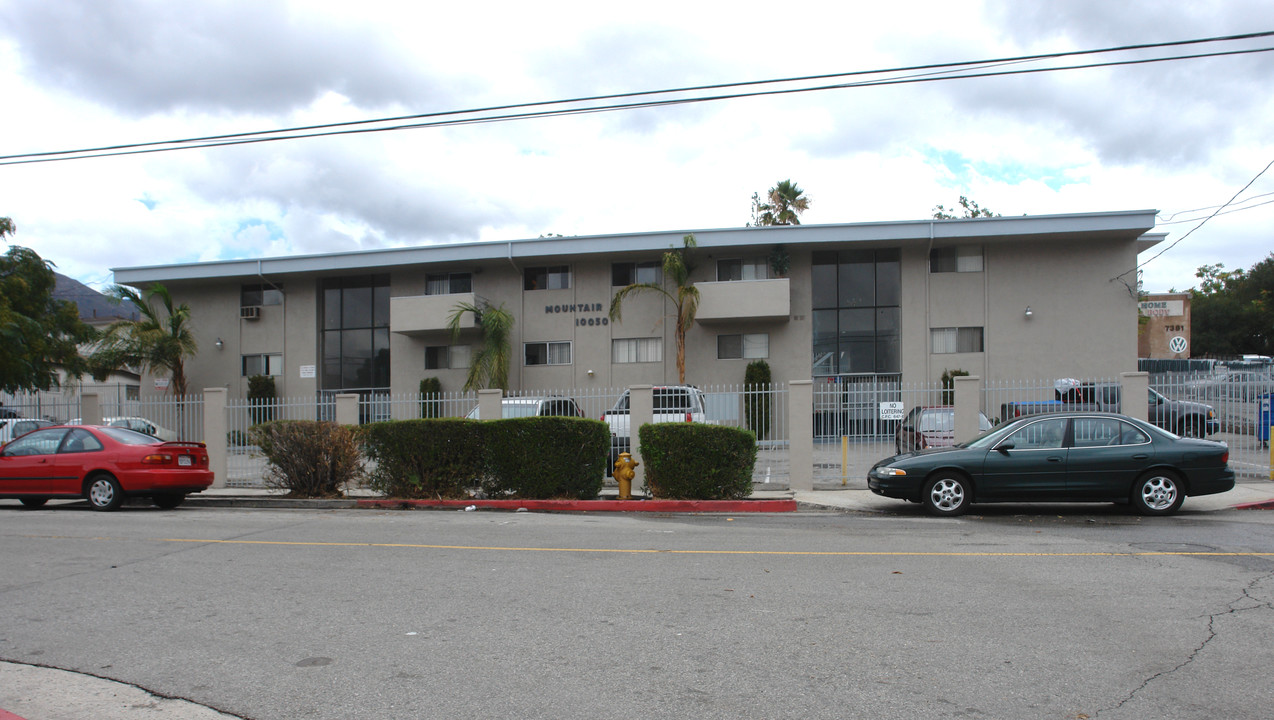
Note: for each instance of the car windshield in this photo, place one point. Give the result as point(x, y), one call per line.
point(129, 437)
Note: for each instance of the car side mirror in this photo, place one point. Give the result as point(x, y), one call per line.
point(1004, 448)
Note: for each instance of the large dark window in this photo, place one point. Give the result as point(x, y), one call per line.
point(856, 296)
point(250, 295)
point(356, 333)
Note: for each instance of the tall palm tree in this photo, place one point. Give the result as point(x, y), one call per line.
point(489, 367)
point(786, 202)
point(159, 341)
point(684, 296)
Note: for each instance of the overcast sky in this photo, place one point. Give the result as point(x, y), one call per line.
point(1175, 137)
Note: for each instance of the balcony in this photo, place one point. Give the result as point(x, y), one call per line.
point(425, 314)
point(739, 300)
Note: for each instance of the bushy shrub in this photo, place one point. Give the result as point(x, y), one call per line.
point(545, 457)
point(948, 384)
point(308, 458)
point(756, 397)
point(430, 397)
point(261, 398)
point(430, 458)
point(693, 461)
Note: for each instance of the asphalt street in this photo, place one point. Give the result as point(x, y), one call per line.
point(1013, 611)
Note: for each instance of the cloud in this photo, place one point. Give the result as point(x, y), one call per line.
point(152, 56)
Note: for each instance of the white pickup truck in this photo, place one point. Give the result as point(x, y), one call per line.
point(671, 403)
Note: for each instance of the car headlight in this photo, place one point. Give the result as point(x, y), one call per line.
point(890, 472)
point(1211, 414)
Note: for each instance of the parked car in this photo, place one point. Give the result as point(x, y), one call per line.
point(136, 424)
point(552, 405)
point(1062, 457)
point(1182, 417)
point(101, 464)
point(930, 427)
point(11, 428)
point(1243, 385)
point(671, 403)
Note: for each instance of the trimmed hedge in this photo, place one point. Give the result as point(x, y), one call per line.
point(308, 458)
point(694, 461)
point(431, 458)
point(545, 457)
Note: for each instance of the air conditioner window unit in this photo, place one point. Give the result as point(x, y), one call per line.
point(250, 312)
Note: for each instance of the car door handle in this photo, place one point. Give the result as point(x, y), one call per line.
point(1054, 458)
point(1140, 456)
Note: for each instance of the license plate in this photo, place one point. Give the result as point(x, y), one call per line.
point(185, 460)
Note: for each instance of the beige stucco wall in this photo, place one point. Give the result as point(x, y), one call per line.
point(1082, 324)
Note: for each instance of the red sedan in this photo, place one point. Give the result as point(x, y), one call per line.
point(102, 465)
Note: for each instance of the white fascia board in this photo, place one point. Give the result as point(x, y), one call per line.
point(901, 232)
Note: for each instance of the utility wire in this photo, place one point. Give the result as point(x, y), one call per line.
point(946, 74)
point(1219, 214)
point(1216, 212)
point(1169, 220)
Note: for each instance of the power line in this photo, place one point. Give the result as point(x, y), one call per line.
point(948, 71)
point(1219, 214)
point(1196, 227)
point(1169, 220)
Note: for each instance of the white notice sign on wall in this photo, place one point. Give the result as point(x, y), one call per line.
point(309, 371)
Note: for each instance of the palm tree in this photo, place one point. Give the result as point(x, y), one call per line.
point(490, 365)
point(786, 202)
point(159, 341)
point(684, 296)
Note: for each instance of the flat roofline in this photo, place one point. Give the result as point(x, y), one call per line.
point(1131, 223)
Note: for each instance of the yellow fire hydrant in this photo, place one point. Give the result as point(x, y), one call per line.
point(624, 474)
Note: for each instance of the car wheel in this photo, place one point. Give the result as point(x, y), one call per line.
point(103, 492)
point(168, 501)
point(1157, 493)
point(947, 495)
point(1191, 428)
point(34, 502)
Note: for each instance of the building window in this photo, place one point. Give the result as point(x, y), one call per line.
point(736, 269)
point(448, 283)
point(447, 357)
point(555, 277)
point(547, 353)
point(625, 274)
point(254, 295)
point(636, 350)
point(756, 345)
point(956, 340)
point(963, 258)
point(856, 297)
point(355, 332)
point(271, 365)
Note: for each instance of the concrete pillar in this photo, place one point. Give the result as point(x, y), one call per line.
point(800, 420)
point(968, 403)
point(347, 409)
point(1134, 395)
point(215, 434)
point(90, 409)
point(490, 406)
point(641, 411)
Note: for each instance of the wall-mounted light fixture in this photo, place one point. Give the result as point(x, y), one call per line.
point(220, 343)
point(590, 373)
point(1028, 312)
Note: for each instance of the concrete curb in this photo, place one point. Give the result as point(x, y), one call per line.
point(600, 505)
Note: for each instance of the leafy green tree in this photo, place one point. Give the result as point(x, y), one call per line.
point(783, 205)
point(756, 397)
point(490, 365)
point(971, 210)
point(159, 341)
point(1232, 311)
point(683, 294)
point(261, 397)
point(39, 335)
point(430, 397)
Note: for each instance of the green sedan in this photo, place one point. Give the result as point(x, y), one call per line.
point(1060, 457)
